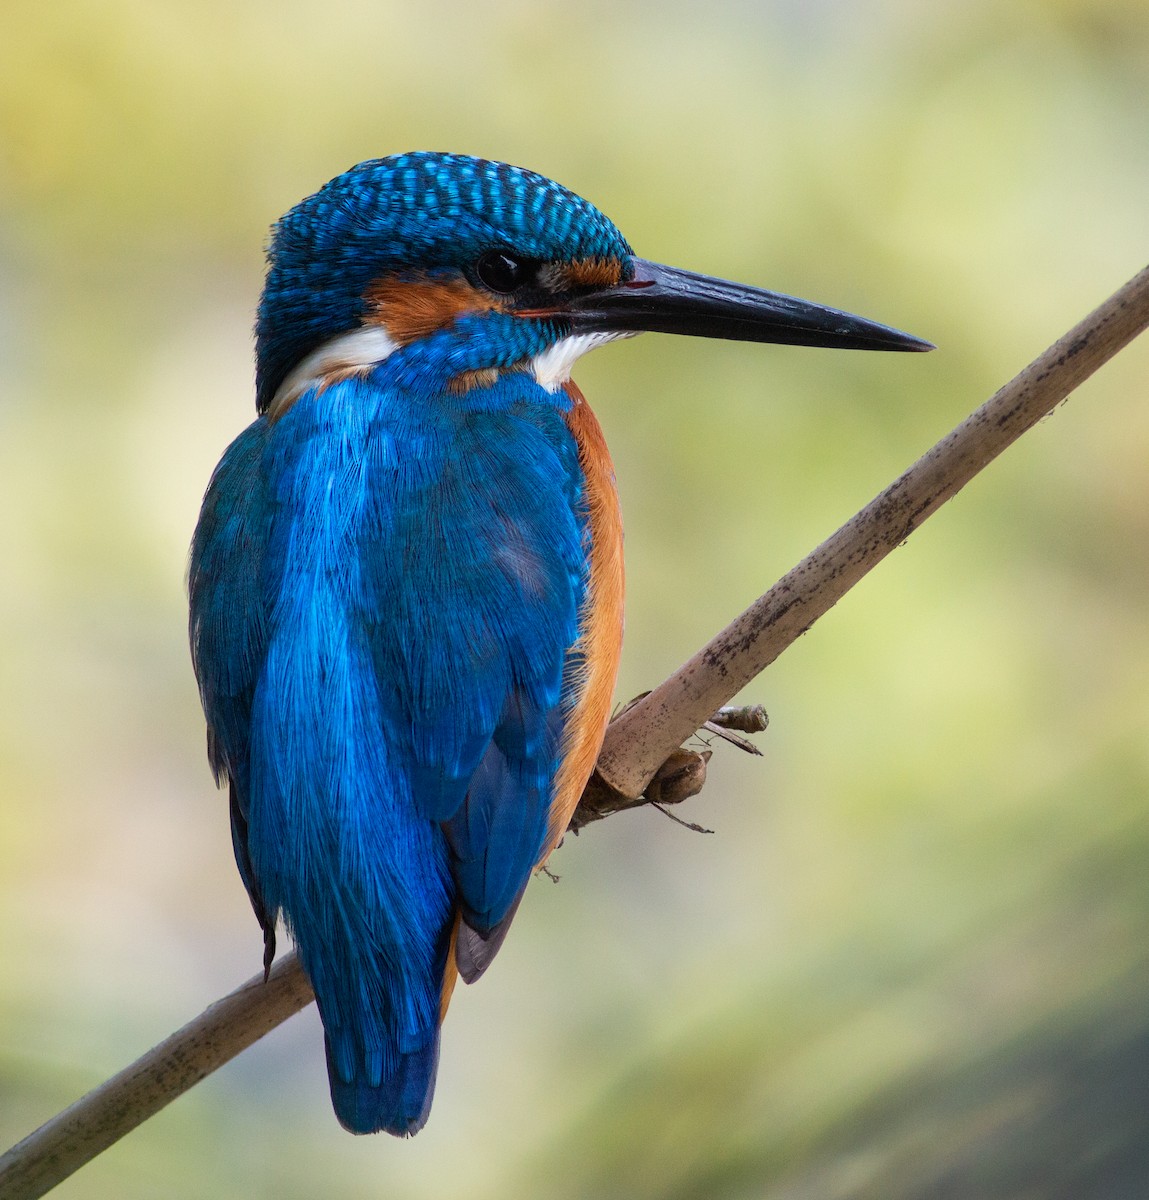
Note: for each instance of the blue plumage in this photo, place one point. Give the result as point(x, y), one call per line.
point(406, 581)
point(383, 595)
point(385, 583)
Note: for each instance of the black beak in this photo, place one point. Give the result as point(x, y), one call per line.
point(661, 299)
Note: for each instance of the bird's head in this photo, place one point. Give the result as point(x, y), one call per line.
point(467, 267)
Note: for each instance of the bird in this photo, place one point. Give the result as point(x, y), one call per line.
point(406, 581)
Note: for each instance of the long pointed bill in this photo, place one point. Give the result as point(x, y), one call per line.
point(661, 299)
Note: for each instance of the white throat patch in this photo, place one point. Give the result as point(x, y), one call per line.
point(552, 368)
point(363, 348)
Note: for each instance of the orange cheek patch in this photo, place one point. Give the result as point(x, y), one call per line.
point(591, 272)
point(419, 305)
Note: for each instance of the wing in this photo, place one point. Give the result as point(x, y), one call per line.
point(471, 599)
point(589, 672)
point(228, 630)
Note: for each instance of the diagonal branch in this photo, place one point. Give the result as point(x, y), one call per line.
point(643, 738)
point(639, 741)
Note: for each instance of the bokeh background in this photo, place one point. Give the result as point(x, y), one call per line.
point(913, 957)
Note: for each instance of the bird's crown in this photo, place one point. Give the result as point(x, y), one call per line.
point(423, 215)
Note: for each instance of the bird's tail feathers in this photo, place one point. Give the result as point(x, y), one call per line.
point(399, 1103)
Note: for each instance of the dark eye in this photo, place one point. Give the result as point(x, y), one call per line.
point(504, 272)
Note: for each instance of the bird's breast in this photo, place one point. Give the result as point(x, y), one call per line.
point(599, 645)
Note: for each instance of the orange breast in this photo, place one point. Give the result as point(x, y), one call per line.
point(600, 621)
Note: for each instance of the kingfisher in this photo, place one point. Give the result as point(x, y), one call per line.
point(406, 582)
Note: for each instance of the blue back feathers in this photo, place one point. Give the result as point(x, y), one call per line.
point(386, 584)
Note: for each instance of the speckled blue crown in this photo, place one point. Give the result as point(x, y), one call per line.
point(421, 210)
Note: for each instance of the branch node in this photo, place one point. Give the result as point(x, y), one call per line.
point(749, 718)
point(681, 776)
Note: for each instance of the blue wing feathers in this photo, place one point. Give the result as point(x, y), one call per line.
point(502, 823)
point(228, 619)
point(384, 592)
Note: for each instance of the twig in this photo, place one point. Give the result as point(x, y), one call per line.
point(752, 718)
point(642, 742)
point(694, 828)
point(732, 738)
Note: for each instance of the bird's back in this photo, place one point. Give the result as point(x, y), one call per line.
point(386, 690)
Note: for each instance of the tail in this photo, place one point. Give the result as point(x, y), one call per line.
point(382, 1071)
point(399, 1103)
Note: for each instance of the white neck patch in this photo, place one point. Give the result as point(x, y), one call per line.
point(363, 348)
point(357, 350)
point(553, 367)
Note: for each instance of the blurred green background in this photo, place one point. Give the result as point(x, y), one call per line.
point(912, 960)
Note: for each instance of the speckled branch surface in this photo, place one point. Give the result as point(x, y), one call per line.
point(644, 737)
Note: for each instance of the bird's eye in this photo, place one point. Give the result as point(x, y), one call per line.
point(503, 272)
